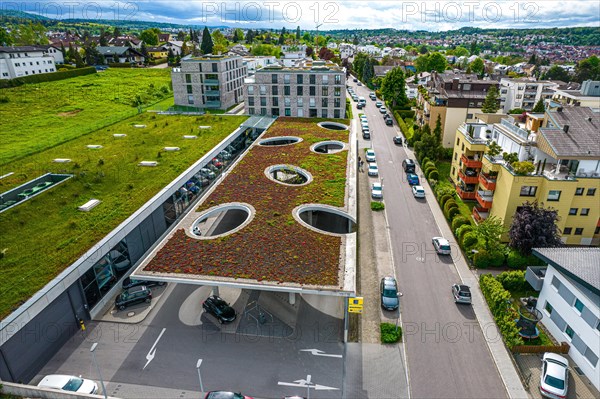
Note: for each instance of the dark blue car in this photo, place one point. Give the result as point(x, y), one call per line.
point(413, 179)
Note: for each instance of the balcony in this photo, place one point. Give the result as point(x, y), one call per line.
point(467, 179)
point(484, 198)
point(487, 182)
point(216, 93)
point(464, 194)
point(210, 82)
point(470, 162)
point(535, 276)
point(480, 214)
point(212, 104)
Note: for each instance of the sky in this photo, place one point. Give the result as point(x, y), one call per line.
point(429, 15)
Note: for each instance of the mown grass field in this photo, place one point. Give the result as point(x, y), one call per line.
point(45, 234)
point(34, 117)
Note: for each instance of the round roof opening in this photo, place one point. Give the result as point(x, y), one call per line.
point(222, 220)
point(325, 219)
point(288, 175)
point(328, 147)
point(333, 125)
point(281, 140)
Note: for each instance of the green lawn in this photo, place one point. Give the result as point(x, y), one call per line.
point(46, 234)
point(34, 117)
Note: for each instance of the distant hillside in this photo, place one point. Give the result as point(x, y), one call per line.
point(12, 16)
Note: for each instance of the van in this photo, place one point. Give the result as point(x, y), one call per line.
point(408, 165)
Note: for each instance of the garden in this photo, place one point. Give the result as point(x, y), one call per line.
point(45, 234)
point(273, 247)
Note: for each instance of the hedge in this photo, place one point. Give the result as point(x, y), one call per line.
point(513, 281)
point(121, 65)
point(427, 164)
point(469, 239)
point(47, 77)
point(517, 261)
point(425, 160)
point(390, 334)
point(429, 170)
point(462, 230)
point(459, 221)
point(158, 61)
point(451, 213)
point(444, 199)
point(484, 259)
point(405, 114)
point(434, 175)
point(450, 204)
point(497, 299)
point(348, 109)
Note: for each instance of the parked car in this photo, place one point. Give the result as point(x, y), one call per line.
point(441, 245)
point(377, 191)
point(225, 154)
point(225, 395)
point(219, 308)
point(370, 155)
point(382, 110)
point(397, 140)
point(359, 84)
point(378, 104)
point(132, 296)
point(69, 383)
point(389, 121)
point(129, 282)
point(217, 162)
point(389, 293)
point(418, 192)
point(554, 381)
point(372, 96)
point(461, 293)
point(373, 170)
point(359, 105)
point(355, 80)
point(412, 179)
point(366, 135)
point(408, 165)
point(207, 173)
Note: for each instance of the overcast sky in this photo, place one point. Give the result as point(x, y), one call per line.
point(347, 14)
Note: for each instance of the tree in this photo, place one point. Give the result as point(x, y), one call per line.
point(368, 71)
point(431, 62)
point(93, 56)
point(588, 69)
point(185, 50)
point(326, 54)
point(533, 59)
point(493, 149)
point(103, 37)
point(539, 107)
point(489, 232)
point(116, 32)
point(6, 38)
point(171, 57)
point(238, 35)
point(490, 104)
point(181, 36)
point(309, 51)
point(460, 51)
point(532, 227)
point(298, 33)
point(220, 42)
point(477, 66)
point(78, 59)
point(150, 37)
point(207, 43)
point(557, 73)
point(281, 40)
point(474, 48)
point(393, 87)
point(355, 40)
point(63, 51)
point(423, 49)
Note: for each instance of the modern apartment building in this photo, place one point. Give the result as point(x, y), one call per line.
point(455, 98)
point(21, 61)
point(316, 89)
point(524, 93)
point(209, 81)
point(569, 301)
point(587, 96)
point(565, 153)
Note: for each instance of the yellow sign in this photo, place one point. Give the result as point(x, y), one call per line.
point(355, 305)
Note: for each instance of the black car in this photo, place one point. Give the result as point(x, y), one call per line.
point(408, 165)
point(132, 296)
point(366, 135)
point(355, 80)
point(359, 106)
point(132, 282)
point(389, 122)
point(397, 140)
point(219, 308)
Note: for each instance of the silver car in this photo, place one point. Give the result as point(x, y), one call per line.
point(441, 245)
point(554, 382)
point(377, 191)
point(373, 170)
point(461, 293)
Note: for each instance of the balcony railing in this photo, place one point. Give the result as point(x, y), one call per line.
point(470, 162)
point(487, 182)
point(484, 199)
point(212, 104)
point(480, 214)
point(473, 140)
point(465, 195)
point(212, 93)
point(210, 82)
point(467, 179)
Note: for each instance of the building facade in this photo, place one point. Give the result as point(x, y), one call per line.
point(587, 96)
point(210, 81)
point(315, 90)
point(16, 62)
point(524, 93)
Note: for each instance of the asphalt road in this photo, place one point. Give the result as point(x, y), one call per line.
point(446, 350)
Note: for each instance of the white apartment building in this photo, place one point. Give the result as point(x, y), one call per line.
point(347, 50)
point(524, 93)
point(292, 58)
point(315, 89)
point(569, 301)
point(254, 63)
point(587, 96)
point(55, 52)
point(16, 62)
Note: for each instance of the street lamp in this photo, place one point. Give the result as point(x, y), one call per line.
point(93, 349)
point(199, 376)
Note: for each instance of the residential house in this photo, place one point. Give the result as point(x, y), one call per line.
point(587, 96)
point(254, 63)
point(524, 93)
point(175, 46)
point(22, 61)
point(164, 37)
point(239, 49)
point(421, 78)
point(121, 55)
point(157, 52)
point(126, 41)
point(55, 52)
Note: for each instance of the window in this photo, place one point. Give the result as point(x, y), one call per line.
point(287, 102)
point(299, 79)
point(554, 195)
point(578, 231)
point(591, 192)
point(555, 282)
point(325, 79)
point(573, 211)
point(263, 101)
point(251, 101)
point(567, 231)
point(578, 305)
point(597, 231)
point(188, 78)
point(455, 156)
point(569, 331)
point(190, 99)
point(286, 80)
point(528, 191)
point(324, 90)
point(263, 111)
point(336, 113)
point(324, 102)
point(470, 116)
point(215, 67)
point(338, 79)
point(312, 112)
point(275, 101)
point(548, 308)
point(251, 90)
point(274, 90)
point(312, 102)
point(300, 102)
point(274, 78)
point(337, 92)
point(337, 102)
point(323, 113)
point(312, 91)
point(275, 111)
point(457, 141)
point(584, 211)
point(288, 112)
point(189, 89)
point(591, 356)
point(579, 191)
point(286, 90)
point(300, 112)
point(299, 90)
point(251, 111)
point(312, 79)
point(263, 90)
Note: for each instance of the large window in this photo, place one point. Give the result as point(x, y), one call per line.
point(275, 101)
point(263, 101)
point(251, 90)
point(325, 79)
point(188, 78)
point(579, 191)
point(299, 78)
point(286, 80)
point(528, 191)
point(312, 79)
point(591, 192)
point(554, 195)
point(584, 211)
point(274, 78)
point(263, 90)
point(250, 101)
point(286, 90)
point(312, 102)
point(548, 307)
point(337, 103)
point(573, 211)
point(274, 90)
point(578, 305)
point(569, 331)
point(324, 91)
point(338, 79)
point(578, 231)
point(299, 90)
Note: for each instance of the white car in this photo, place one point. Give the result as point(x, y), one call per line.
point(418, 191)
point(69, 383)
point(554, 381)
point(370, 155)
point(373, 170)
point(441, 245)
point(377, 191)
point(382, 110)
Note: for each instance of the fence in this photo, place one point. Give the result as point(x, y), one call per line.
point(563, 348)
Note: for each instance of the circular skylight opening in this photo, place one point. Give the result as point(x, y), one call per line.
point(222, 220)
point(288, 175)
point(328, 147)
point(325, 219)
point(281, 140)
point(333, 125)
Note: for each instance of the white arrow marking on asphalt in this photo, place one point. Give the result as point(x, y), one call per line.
point(317, 352)
point(152, 352)
point(307, 384)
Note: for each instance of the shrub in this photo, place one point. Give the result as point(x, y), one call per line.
point(523, 168)
point(434, 175)
point(486, 259)
point(450, 204)
point(459, 221)
point(451, 213)
point(377, 206)
point(428, 171)
point(462, 230)
point(517, 261)
point(443, 191)
point(469, 240)
point(427, 164)
point(425, 160)
point(513, 280)
point(47, 77)
point(389, 333)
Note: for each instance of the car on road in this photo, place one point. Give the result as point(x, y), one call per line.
point(366, 135)
point(69, 383)
point(378, 104)
point(389, 293)
point(132, 296)
point(383, 110)
point(418, 192)
point(441, 245)
point(355, 80)
point(359, 105)
point(225, 395)
point(461, 293)
point(412, 179)
point(554, 381)
point(372, 96)
point(129, 282)
point(377, 191)
point(359, 84)
point(219, 308)
point(373, 170)
point(408, 165)
point(397, 140)
point(389, 121)
point(370, 155)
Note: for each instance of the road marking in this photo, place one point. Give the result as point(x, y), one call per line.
point(317, 352)
point(307, 384)
point(152, 351)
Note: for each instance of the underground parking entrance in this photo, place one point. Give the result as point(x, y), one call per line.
point(222, 220)
point(325, 219)
point(288, 175)
point(328, 147)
